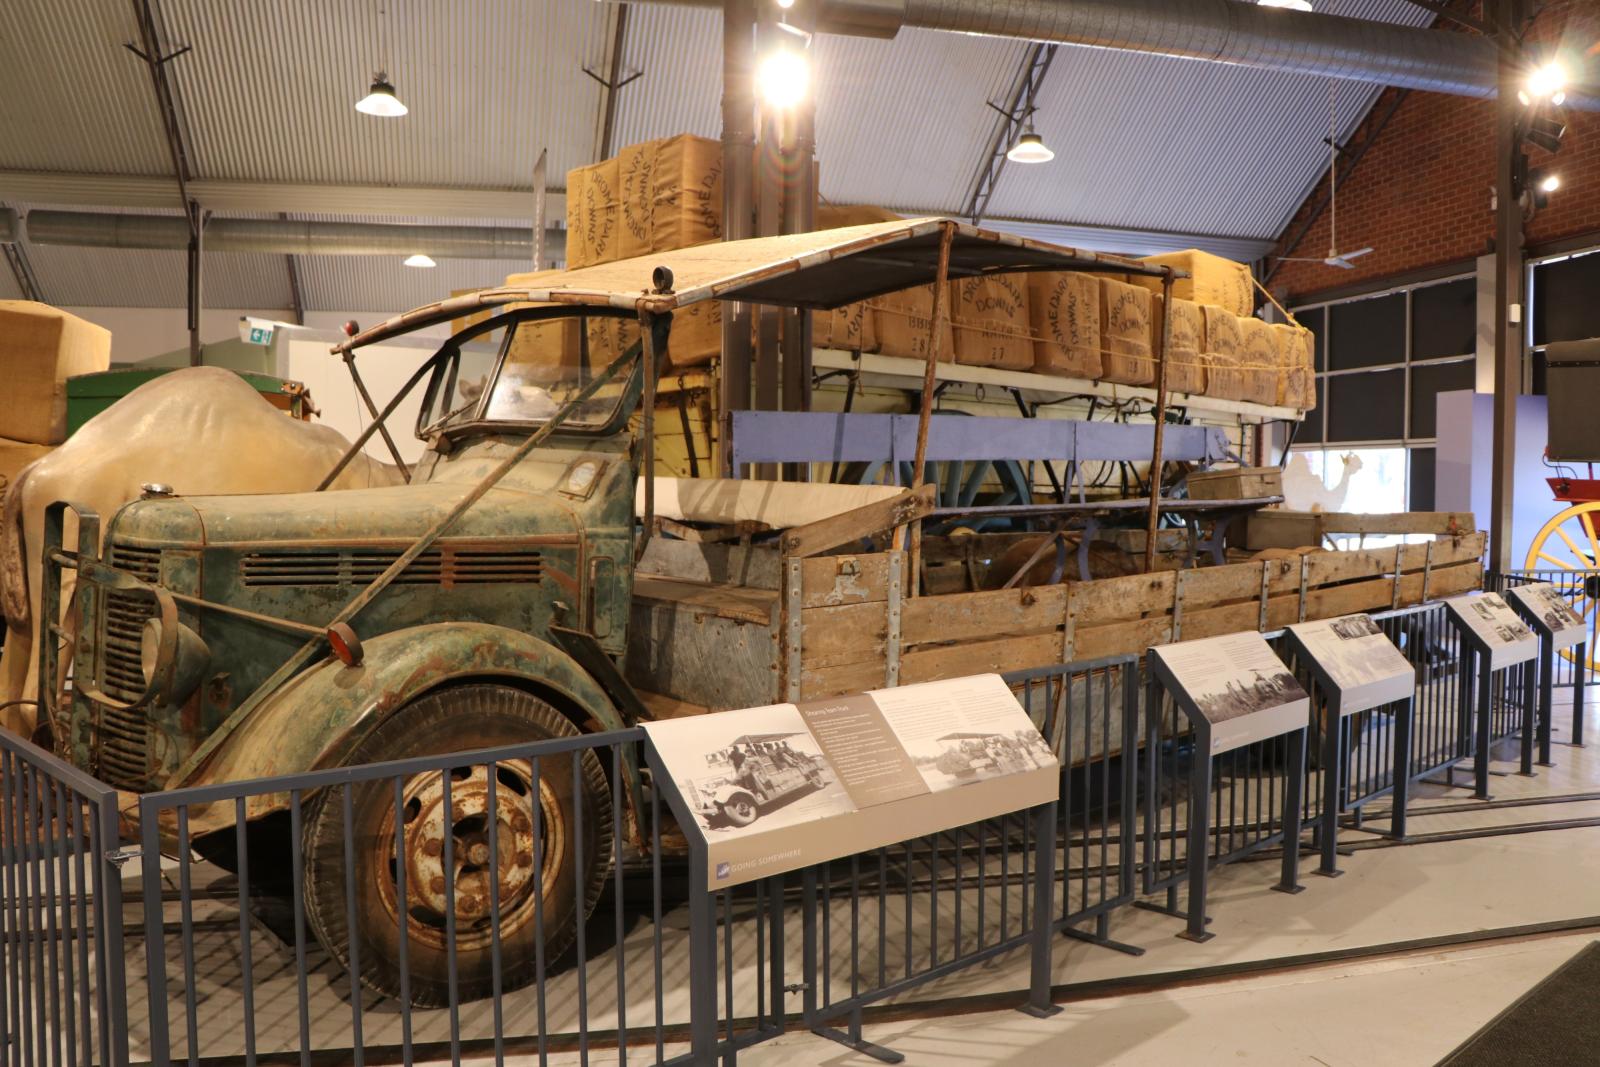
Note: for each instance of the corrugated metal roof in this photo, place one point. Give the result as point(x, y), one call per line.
point(73, 97)
point(1154, 142)
point(270, 89)
point(1146, 146)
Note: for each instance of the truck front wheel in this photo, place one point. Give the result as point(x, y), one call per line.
point(554, 849)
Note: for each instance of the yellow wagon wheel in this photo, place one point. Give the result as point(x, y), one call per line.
point(1571, 542)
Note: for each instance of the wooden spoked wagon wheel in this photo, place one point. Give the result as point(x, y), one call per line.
point(1571, 542)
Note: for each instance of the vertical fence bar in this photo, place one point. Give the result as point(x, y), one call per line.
point(155, 939)
point(297, 876)
point(1044, 869)
point(492, 803)
point(348, 848)
point(246, 969)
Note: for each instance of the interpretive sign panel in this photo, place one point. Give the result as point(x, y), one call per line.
point(1491, 620)
point(781, 787)
point(1238, 685)
point(1543, 603)
point(1357, 659)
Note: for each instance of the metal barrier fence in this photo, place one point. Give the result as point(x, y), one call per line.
point(455, 955)
point(1581, 589)
point(62, 993)
point(493, 858)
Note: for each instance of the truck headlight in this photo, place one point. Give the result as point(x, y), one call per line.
point(172, 681)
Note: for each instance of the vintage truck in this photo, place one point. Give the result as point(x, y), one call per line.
point(494, 599)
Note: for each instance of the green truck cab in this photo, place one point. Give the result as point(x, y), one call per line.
point(205, 641)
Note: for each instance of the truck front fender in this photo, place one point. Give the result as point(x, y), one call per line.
point(316, 718)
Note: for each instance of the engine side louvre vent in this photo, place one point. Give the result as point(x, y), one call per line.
point(446, 567)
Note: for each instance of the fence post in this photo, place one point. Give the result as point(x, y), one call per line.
point(109, 903)
point(1294, 781)
point(1480, 764)
point(1199, 847)
point(1580, 675)
point(1333, 737)
point(1040, 1005)
point(155, 945)
point(1405, 714)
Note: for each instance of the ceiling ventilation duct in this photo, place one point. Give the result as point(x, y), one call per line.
point(1222, 31)
point(288, 237)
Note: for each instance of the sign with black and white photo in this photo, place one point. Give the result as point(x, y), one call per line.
point(1238, 684)
point(1359, 659)
point(1551, 612)
point(1494, 623)
point(777, 788)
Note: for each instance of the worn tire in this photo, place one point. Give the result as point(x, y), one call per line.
point(458, 719)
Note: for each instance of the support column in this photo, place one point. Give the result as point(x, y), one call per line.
point(1508, 336)
point(738, 216)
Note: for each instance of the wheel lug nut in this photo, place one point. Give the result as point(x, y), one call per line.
point(432, 847)
point(437, 885)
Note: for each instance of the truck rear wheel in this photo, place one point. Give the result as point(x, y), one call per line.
point(456, 720)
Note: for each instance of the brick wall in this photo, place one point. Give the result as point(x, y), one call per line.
point(1421, 194)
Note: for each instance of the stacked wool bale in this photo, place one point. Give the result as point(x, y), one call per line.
point(1220, 342)
point(1212, 280)
point(653, 197)
point(1185, 330)
point(40, 348)
point(1064, 314)
point(989, 321)
point(853, 327)
point(1297, 382)
point(1259, 364)
point(1126, 357)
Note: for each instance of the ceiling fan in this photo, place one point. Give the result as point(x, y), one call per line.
point(1334, 258)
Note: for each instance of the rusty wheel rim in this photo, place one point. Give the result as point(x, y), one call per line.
point(424, 827)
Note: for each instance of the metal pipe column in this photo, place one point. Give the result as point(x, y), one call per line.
point(738, 182)
point(1507, 293)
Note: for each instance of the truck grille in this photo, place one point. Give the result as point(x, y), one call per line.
point(445, 567)
point(124, 734)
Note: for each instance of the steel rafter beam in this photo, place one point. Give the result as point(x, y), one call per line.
point(1014, 117)
point(22, 270)
point(297, 303)
point(612, 81)
point(156, 57)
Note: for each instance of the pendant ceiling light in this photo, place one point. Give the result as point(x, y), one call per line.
point(420, 259)
point(1292, 5)
point(1030, 148)
point(380, 99)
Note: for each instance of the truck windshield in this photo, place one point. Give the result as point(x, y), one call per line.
point(547, 362)
point(543, 364)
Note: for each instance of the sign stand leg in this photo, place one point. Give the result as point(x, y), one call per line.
point(1480, 767)
point(702, 964)
point(1580, 671)
point(1293, 798)
point(1403, 719)
point(1040, 1005)
point(1530, 716)
point(1547, 686)
point(1333, 750)
point(1199, 850)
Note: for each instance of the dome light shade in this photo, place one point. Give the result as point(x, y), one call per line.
point(420, 260)
point(1549, 183)
point(1030, 148)
point(380, 99)
point(1292, 5)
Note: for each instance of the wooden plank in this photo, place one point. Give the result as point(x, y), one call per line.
point(1417, 522)
point(757, 566)
point(828, 581)
point(723, 601)
point(1371, 595)
point(859, 523)
point(979, 657)
point(974, 616)
point(849, 633)
point(1110, 599)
